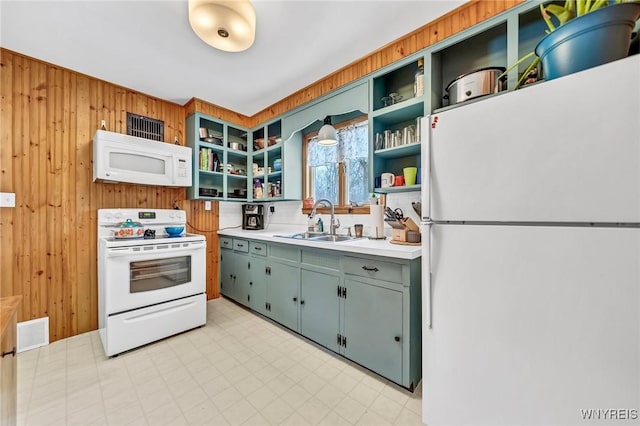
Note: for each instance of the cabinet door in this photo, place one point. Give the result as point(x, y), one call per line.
point(234, 275)
point(373, 328)
point(242, 271)
point(226, 274)
point(258, 285)
point(319, 308)
point(283, 284)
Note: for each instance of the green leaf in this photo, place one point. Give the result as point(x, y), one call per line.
point(547, 19)
point(563, 15)
point(524, 58)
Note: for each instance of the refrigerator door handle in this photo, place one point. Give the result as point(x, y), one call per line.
point(425, 166)
point(426, 273)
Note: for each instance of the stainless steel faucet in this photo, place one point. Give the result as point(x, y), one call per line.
point(335, 223)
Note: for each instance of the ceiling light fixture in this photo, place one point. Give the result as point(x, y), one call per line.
point(228, 25)
point(327, 133)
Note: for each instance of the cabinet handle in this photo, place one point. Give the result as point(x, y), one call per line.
point(397, 338)
point(302, 302)
point(295, 299)
point(240, 245)
point(248, 265)
point(11, 352)
point(250, 282)
point(258, 248)
point(374, 269)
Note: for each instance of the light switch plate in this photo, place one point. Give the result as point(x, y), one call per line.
point(7, 199)
point(207, 205)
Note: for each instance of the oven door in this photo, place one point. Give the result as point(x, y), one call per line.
point(139, 276)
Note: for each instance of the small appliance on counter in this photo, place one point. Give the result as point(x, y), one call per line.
point(253, 216)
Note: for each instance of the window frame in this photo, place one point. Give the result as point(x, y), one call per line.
point(342, 207)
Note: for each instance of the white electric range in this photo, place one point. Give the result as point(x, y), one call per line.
point(149, 287)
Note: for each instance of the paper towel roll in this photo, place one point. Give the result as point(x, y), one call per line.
point(376, 211)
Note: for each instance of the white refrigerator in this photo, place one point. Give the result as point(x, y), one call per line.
point(531, 268)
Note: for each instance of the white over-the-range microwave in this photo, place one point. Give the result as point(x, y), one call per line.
point(130, 159)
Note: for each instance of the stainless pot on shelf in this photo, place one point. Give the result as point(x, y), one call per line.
point(237, 146)
point(473, 84)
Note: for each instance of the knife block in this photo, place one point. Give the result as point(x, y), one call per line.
point(399, 235)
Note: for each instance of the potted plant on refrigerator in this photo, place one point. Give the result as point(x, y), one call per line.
point(580, 35)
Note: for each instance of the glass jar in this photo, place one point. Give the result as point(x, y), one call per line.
point(418, 84)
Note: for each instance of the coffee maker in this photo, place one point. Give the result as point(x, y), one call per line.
point(253, 216)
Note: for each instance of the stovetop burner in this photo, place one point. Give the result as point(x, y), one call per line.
point(154, 221)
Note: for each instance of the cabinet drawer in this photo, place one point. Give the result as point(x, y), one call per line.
point(258, 248)
point(285, 252)
point(241, 245)
point(376, 269)
point(321, 259)
point(226, 242)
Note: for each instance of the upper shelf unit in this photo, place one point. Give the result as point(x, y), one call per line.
point(275, 164)
point(397, 106)
point(219, 159)
point(487, 49)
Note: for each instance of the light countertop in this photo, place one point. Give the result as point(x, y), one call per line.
point(360, 246)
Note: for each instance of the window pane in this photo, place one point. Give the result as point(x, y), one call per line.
point(323, 168)
point(358, 180)
point(325, 182)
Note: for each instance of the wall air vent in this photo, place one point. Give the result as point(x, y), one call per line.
point(33, 334)
point(145, 127)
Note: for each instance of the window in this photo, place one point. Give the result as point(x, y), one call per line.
point(339, 173)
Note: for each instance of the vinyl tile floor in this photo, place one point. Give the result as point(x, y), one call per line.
point(239, 369)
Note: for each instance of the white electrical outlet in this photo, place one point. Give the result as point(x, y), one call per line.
point(207, 205)
point(7, 199)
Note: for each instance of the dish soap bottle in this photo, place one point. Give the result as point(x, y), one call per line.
point(310, 225)
point(320, 225)
point(418, 84)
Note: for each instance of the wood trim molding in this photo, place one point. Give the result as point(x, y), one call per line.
point(465, 16)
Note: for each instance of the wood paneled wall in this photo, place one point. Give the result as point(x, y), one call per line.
point(48, 242)
point(48, 117)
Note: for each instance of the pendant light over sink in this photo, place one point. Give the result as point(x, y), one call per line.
point(327, 133)
point(228, 25)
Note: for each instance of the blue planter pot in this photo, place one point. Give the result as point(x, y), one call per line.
point(589, 40)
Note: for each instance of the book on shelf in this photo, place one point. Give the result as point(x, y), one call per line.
point(208, 160)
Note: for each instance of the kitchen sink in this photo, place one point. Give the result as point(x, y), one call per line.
point(318, 236)
point(333, 238)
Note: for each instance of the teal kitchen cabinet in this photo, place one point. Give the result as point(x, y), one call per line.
point(234, 269)
point(220, 159)
point(381, 327)
point(388, 118)
point(320, 308)
point(276, 163)
point(365, 308)
point(258, 277)
point(372, 327)
point(283, 284)
point(226, 270)
point(320, 297)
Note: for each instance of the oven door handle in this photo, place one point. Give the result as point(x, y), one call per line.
point(128, 251)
